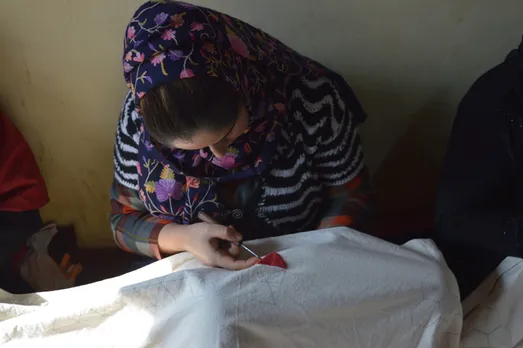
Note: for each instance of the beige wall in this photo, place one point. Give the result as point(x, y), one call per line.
point(408, 60)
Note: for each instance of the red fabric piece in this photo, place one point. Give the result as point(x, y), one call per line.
point(273, 259)
point(22, 187)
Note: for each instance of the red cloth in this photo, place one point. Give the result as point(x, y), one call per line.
point(22, 187)
point(273, 259)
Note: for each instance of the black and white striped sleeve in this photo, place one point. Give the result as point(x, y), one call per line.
point(331, 129)
point(126, 145)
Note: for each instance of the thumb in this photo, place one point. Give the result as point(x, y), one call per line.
point(225, 233)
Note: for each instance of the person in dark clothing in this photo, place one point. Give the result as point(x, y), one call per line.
point(479, 207)
point(15, 230)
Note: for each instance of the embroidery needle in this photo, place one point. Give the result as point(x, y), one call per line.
point(207, 218)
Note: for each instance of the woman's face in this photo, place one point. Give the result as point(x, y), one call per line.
point(218, 141)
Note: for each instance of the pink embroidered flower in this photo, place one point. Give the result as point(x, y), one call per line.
point(142, 196)
point(196, 160)
point(168, 188)
point(131, 33)
point(227, 19)
point(238, 45)
point(186, 73)
point(227, 162)
point(203, 154)
point(177, 20)
point(128, 56)
point(195, 26)
point(158, 58)
point(193, 182)
point(139, 168)
point(169, 34)
point(139, 57)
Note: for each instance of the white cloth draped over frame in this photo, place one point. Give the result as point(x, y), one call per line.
point(340, 287)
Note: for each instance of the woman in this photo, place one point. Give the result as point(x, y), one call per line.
point(224, 119)
point(480, 201)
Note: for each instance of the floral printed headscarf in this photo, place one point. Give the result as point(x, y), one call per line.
point(169, 40)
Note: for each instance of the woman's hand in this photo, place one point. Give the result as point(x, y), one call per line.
point(206, 241)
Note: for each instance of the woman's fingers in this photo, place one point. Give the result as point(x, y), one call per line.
point(252, 261)
point(221, 248)
point(225, 233)
point(228, 262)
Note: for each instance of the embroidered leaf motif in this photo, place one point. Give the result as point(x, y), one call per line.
point(150, 186)
point(167, 173)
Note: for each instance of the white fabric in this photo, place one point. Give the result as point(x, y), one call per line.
point(38, 269)
point(494, 311)
point(341, 289)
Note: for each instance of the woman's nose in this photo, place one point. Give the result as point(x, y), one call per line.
point(219, 150)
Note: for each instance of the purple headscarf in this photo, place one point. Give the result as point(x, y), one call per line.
point(169, 40)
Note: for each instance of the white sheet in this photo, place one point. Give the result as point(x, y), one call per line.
point(341, 289)
point(494, 312)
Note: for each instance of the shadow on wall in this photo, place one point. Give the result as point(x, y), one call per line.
point(406, 177)
point(407, 180)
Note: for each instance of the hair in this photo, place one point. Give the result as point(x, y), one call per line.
point(177, 110)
